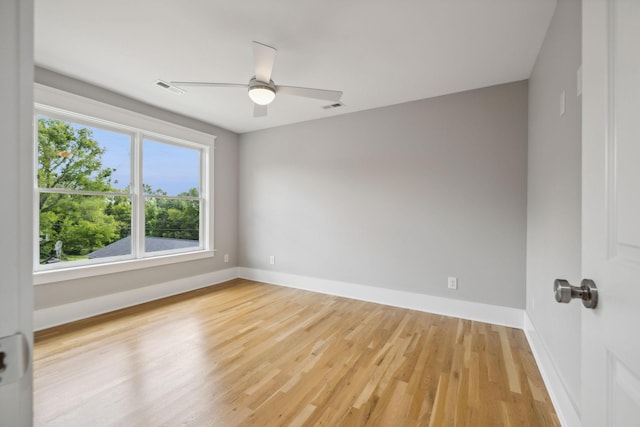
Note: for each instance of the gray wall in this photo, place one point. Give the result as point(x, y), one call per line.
point(554, 187)
point(225, 200)
point(397, 197)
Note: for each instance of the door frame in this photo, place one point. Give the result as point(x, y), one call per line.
point(16, 218)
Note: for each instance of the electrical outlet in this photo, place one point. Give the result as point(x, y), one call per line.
point(226, 257)
point(272, 259)
point(452, 282)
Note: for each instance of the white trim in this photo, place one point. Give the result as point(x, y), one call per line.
point(560, 397)
point(56, 100)
point(89, 270)
point(53, 316)
point(497, 315)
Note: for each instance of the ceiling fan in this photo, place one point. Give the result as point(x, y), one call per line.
point(262, 90)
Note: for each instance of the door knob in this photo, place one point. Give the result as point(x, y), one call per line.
point(587, 292)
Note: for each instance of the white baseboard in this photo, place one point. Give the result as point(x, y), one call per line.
point(498, 315)
point(53, 316)
point(567, 412)
point(495, 314)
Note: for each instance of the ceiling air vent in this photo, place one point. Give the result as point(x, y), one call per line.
point(332, 106)
point(171, 88)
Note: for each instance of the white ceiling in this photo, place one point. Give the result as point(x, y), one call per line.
point(378, 52)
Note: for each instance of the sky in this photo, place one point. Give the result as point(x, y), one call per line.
point(168, 167)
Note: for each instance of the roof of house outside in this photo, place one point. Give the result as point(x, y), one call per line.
point(152, 244)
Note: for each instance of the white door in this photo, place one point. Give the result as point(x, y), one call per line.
point(611, 211)
point(16, 168)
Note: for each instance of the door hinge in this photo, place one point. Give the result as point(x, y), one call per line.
point(14, 358)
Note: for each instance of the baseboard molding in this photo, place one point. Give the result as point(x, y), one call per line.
point(53, 316)
point(567, 412)
point(497, 315)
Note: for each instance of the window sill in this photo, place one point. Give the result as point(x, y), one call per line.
point(80, 272)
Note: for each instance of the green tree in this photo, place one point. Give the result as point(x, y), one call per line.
point(70, 158)
point(120, 209)
point(171, 218)
point(82, 224)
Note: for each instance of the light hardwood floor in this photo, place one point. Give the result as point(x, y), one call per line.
point(247, 353)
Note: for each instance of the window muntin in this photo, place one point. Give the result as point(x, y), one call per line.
point(105, 205)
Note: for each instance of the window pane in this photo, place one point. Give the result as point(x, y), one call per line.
point(170, 170)
point(82, 157)
point(171, 224)
point(75, 227)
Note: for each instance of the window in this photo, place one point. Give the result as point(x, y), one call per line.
point(111, 193)
point(171, 177)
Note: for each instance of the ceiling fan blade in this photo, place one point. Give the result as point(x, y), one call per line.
point(208, 84)
point(327, 95)
point(263, 58)
point(259, 110)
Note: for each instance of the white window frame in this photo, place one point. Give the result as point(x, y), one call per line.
point(62, 105)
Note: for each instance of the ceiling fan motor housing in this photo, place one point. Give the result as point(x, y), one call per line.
point(254, 83)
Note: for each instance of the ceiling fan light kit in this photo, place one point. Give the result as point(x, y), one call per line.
point(262, 93)
point(262, 90)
